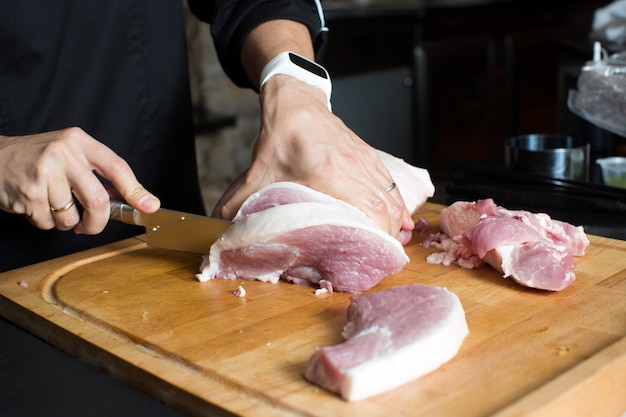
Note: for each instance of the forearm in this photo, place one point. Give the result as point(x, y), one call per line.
point(268, 40)
point(232, 22)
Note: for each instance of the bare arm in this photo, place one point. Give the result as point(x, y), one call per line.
point(302, 141)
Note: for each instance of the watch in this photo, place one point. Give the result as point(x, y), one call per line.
point(300, 68)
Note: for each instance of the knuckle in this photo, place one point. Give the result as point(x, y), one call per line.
point(377, 206)
point(100, 199)
point(388, 214)
point(93, 226)
point(67, 142)
point(68, 220)
point(43, 223)
point(119, 165)
point(72, 133)
point(33, 193)
point(396, 210)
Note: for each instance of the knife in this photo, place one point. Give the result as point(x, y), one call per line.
point(171, 229)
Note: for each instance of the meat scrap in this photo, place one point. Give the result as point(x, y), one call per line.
point(531, 248)
point(422, 225)
point(289, 231)
point(240, 291)
point(392, 337)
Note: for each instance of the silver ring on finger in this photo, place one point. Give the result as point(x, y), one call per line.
point(391, 187)
point(64, 208)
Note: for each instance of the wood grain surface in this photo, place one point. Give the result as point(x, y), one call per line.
point(138, 314)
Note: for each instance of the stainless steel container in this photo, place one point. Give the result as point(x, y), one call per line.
point(554, 156)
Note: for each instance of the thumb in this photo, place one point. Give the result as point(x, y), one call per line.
point(144, 201)
point(139, 198)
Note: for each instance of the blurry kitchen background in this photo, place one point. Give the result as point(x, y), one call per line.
point(436, 82)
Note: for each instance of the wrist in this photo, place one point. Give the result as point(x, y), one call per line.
point(300, 68)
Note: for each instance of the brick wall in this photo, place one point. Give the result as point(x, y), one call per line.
point(222, 152)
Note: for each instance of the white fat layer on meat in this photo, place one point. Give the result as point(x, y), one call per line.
point(266, 225)
point(408, 363)
point(263, 226)
point(312, 195)
point(504, 252)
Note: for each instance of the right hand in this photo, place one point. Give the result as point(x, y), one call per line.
point(49, 169)
point(301, 141)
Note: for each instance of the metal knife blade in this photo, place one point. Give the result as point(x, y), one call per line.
point(171, 229)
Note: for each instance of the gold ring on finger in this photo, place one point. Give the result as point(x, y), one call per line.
point(64, 208)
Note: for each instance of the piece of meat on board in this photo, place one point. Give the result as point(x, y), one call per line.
point(314, 238)
point(289, 231)
point(392, 337)
point(533, 249)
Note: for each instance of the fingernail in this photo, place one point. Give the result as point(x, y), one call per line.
point(149, 201)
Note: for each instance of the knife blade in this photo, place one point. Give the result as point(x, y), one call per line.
point(172, 229)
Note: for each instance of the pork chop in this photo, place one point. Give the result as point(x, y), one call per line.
point(392, 337)
point(292, 232)
point(314, 238)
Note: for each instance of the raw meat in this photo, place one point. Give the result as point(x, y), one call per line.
point(533, 249)
point(392, 337)
point(305, 242)
point(290, 231)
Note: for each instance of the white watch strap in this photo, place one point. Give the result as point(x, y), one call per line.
point(284, 64)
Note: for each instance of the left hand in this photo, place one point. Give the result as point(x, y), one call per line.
point(302, 141)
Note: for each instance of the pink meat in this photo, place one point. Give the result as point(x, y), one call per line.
point(304, 242)
point(533, 249)
point(289, 231)
point(278, 194)
point(392, 337)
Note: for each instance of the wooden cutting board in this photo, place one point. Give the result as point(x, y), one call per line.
point(138, 314)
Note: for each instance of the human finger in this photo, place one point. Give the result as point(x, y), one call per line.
point(228, 204)
point(406, 221)
point(116, 169)
point(65, 216)
point(380, 205)
point(95, 207)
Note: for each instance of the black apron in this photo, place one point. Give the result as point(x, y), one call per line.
point(118, 70)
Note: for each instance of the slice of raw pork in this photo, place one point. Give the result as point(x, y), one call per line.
point(312, 239)
point(392, 337)
point(290, 231)
point(533, 249)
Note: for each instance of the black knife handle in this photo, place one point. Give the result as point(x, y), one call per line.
point(122, 212)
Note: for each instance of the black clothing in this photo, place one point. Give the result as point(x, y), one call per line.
point(120, 73)
point(117, 69)
point(231, 21)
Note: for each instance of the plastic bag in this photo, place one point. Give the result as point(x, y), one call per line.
point(609, 23)
point(601, 95)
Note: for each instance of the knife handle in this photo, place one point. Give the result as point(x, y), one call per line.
point(122, 212)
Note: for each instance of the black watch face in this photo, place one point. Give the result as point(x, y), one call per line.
point(308, 65)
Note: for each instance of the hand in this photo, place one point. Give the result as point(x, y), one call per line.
point(302, 141)
point(48, 170)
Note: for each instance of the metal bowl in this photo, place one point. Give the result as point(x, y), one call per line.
point(554, 156)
